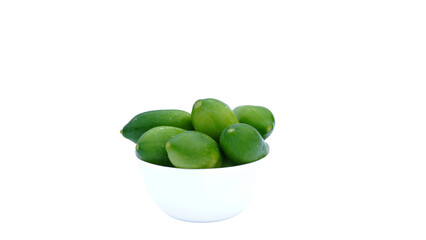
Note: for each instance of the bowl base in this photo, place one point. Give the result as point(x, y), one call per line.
point(202, 220)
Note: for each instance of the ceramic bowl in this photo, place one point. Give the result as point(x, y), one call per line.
point(200, 195)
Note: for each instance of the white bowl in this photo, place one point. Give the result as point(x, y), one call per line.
point(200, 195)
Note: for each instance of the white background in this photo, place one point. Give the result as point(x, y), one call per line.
point(343, 78)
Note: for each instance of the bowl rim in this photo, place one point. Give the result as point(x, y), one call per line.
point(200, 169)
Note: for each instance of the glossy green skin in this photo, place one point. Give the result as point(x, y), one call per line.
point(243, 144)
point(258, 117)
point(193, 149)
point(151, 146)
point(142, 122)
point(211, 116)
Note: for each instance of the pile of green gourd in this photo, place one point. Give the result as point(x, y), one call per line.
point(211, 136)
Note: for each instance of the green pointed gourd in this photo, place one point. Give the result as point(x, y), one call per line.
point(242, 143)
point(151, 146)
point(193, 149)
point(258, 117)
point(142, 122)
point(211, 116)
